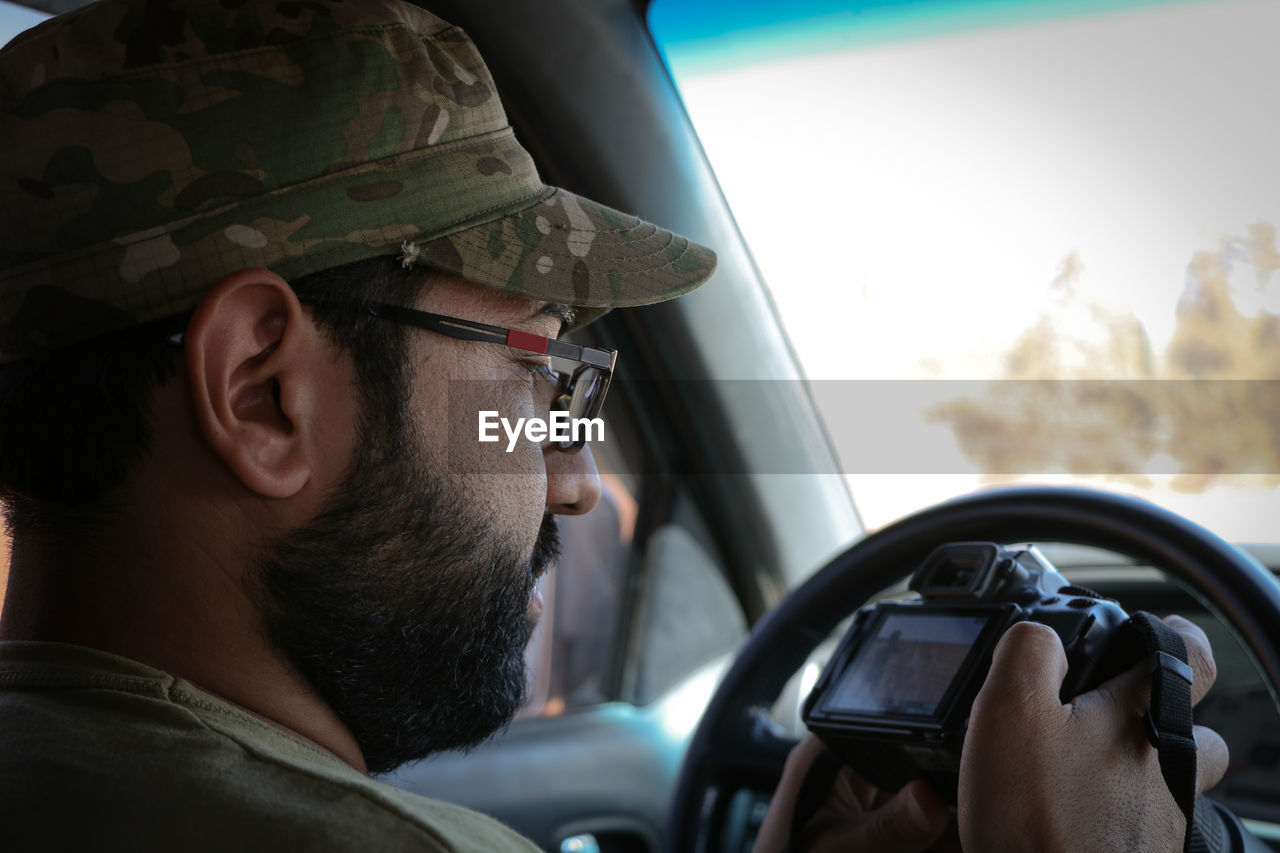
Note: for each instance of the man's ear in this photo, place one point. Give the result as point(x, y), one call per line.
point(256, 365)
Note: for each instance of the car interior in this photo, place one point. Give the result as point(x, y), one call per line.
point(764, 437)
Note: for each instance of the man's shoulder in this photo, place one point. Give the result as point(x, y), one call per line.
point(101, 753)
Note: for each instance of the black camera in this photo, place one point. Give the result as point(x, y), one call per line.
point(894, 700)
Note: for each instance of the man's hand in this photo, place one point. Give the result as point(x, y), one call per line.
point(1040, 775)
point(856, 816)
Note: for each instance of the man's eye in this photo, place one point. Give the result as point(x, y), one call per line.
point(541, 372)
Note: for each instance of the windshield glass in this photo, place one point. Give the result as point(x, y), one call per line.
point(952, 202)
point(15, 18)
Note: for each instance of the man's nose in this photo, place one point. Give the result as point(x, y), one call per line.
point(573, 483)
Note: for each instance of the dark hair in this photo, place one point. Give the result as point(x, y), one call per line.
point(73, 422)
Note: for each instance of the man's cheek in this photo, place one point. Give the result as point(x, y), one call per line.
point(489, 424)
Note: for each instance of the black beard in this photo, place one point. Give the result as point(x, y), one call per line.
point(408, 616)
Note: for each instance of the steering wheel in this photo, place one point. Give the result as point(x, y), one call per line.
point(737, 744)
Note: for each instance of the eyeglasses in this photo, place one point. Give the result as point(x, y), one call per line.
point(579, 392)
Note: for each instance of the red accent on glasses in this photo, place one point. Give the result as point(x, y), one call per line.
point(526, 341)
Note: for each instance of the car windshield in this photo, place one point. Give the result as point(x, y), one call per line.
point(954, 201)
point(15, 18)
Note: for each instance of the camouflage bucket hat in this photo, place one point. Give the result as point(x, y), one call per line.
point(153, 146)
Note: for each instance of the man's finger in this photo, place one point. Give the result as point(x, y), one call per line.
point(1131, 689)
point(913, 819)
point(776, 828)
point(1199, 655)
point(1027, 670)
point(802, 755)
point(1211, 758)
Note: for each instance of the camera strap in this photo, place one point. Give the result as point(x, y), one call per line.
point(1168, 716)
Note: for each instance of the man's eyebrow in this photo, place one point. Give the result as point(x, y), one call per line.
point(558, 310)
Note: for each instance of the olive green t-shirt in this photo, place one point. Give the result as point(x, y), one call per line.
point(98, 752)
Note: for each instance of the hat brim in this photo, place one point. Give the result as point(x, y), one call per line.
point(568, 249)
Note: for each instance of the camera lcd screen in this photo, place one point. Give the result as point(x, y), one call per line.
point(906, 665)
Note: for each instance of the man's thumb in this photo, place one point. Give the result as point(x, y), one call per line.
point(913, 819)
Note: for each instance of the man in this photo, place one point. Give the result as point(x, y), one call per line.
point(249, 249)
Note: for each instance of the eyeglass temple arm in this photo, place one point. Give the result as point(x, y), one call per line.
point(602, 358)
point(472, 330)
point(466, 330)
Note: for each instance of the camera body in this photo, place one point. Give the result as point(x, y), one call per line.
point(894, 700)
